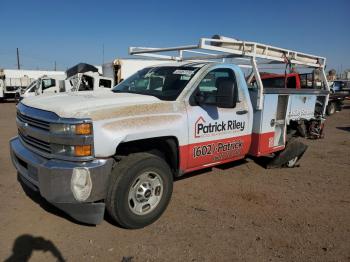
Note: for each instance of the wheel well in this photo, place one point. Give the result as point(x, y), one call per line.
point(164, 147)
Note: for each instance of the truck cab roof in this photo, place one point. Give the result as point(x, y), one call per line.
point(80, 68)
point(198, 64)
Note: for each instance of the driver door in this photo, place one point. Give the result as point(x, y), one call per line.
point(216, 135)
point(48, 86)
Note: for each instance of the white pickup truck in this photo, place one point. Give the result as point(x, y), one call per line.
point(87, 152)
point(46, 84)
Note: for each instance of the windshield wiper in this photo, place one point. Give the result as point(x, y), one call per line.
point(133, 92)
point(120, 91)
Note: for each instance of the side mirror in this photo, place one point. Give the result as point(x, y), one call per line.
point(227, 94)
point(200, 98)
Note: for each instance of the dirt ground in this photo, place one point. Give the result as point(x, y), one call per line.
point(237, 212)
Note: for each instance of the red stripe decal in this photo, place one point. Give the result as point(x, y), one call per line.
point(262, 144)
point(199, 155)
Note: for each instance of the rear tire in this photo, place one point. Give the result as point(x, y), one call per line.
point(331, 108)
point(139, 191)
point(290, 156)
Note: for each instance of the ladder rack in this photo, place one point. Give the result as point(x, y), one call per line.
point(220, 47)
point(232, 48)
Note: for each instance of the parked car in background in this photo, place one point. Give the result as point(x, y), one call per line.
point(340, 87)
point(340, 90)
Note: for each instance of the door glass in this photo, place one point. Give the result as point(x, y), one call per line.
point(105, 83)
point(47, 83)
point(209, 84)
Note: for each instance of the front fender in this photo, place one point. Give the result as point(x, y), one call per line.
point(109, 134)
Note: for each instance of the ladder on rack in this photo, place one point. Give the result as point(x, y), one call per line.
point(220, 47)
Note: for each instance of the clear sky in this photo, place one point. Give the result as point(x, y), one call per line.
point(69, 32)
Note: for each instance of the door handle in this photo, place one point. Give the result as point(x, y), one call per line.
point(273, 122)
point(242, 112)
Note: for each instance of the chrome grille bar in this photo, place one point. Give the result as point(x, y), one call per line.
point(36, 143)
point(34, 122)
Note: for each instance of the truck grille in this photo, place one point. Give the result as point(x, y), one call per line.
point(36, 143)
point(34, 122)
point(34, 133)
point(12, 88)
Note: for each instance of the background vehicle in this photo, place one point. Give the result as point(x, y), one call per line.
point(291, 80)
point(85, 77)
point(340, 90)
point(47, 84)
point(121, 150)
point(340, 87)
point(12, 81)
point(122, 68)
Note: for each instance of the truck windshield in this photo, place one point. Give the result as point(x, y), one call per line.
point(31, 87)
point(165, 83)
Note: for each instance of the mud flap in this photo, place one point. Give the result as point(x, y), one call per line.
point(294, 148)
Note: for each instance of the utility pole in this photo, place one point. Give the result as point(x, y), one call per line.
point(18, 65)
point(55, 66)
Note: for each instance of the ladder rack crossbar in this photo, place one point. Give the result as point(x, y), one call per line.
point(233, 48)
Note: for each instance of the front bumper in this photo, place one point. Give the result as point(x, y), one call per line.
point(52, 179)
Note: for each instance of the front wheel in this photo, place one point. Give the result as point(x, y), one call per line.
point(139, 191)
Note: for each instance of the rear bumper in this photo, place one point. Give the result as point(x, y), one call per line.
point(52, 179)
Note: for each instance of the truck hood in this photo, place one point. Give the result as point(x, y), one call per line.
point(88, 104)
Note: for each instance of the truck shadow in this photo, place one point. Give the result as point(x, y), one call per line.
point(344, 128)
point(9, 101)
point(47, 206)
point(209, 169)
point(24, 246)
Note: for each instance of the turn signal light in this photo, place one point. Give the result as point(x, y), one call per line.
point(83, 129)
point(82, 150)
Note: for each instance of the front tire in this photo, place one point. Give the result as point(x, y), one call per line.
point(140, 189)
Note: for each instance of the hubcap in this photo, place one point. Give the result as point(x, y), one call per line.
point(145, 193)
point(292, 162)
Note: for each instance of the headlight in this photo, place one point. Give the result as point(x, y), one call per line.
point(72, 131)
point(69, 129)
point(73, 151)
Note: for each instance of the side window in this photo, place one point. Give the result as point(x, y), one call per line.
point(86, 84)
point(292, 82)
point(210, 82)
point(105, 83)
point(209, 85)
point(47, 83)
